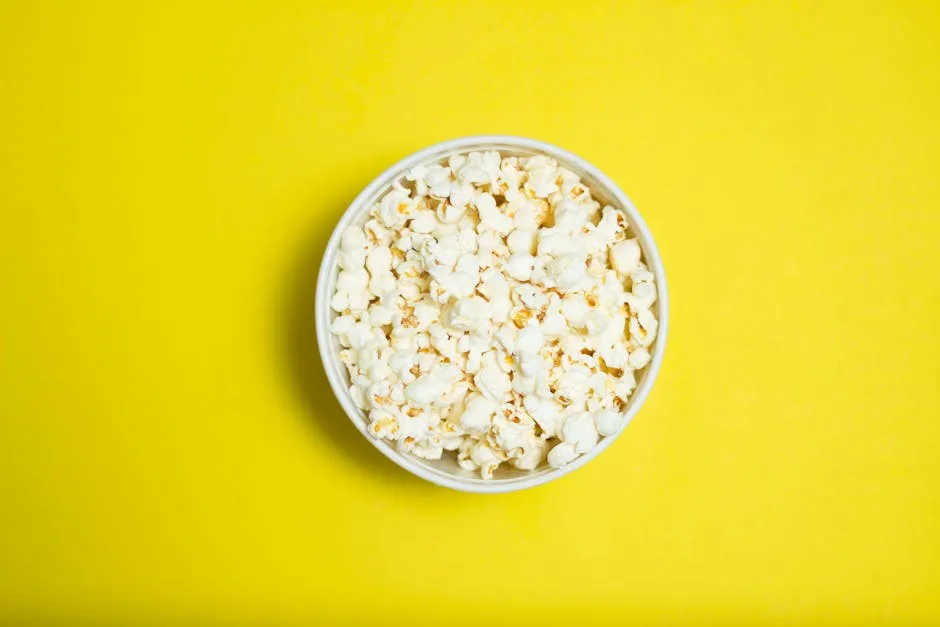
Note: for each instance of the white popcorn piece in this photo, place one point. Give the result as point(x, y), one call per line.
point(625, 256)
point(520, 266)
point(471, 314)
point(614, 355)
point(468, 324)
point(562, 454)
point(354, 247)
point(425, 313)
point(573, 384)
point(444, 343)
point(547, 414)
point(443, 252)
point(608, 421)
point(642, 296)
point(401, 363)
point(574, 308)
point(377, 234)
point(643, 328)
point(395, 208)
point(529, 340)
point(527, 215)
point(567, 271)
point(493, 284)
point(478, 414)
point(639, 358)
point(491, 218)
point(580, 430)
point(424, 222)
point(425, 390)
point(417, 175)
point(485, 458)
point(510, 433)
point(351, 290)
point(450, 285)
point(469, 264)
point(381, 315)
point(341, 326)
point(467, 241)
point(448, 213)
point(506, 336)
point(522, 241)
point(461, 193)
point(553, 242)
point(531, 296)
point(428, 450)
point(624, 385)
point(438, 180)
point(382, 284)
point(642, 275)
point(492, 382)
point(554, 324)
point(456, 394)
point(532, 453)
point(542, 177)
point(358, 397)
point(570, 217)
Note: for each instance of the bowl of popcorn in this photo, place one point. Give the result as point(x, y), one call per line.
point(491, 313)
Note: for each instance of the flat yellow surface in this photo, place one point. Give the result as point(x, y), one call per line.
point(169, 448)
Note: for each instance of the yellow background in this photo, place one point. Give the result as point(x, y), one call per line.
point(169, 175)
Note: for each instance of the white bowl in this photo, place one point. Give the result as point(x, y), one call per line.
point(446, 472)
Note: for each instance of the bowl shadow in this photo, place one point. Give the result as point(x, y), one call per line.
point(302, 357)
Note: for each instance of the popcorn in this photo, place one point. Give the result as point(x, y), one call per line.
point(448, 285)
point(471, 314)
point(608, 422)
point(531, 296)
point(574, 308)
point(641, 297)
point(625, 256)
point(580, 431)
point(478, 414)
point(521, 241)
point(484, 458)
point(643, 328)
point(492, 382)
point(531, 454)
point(566, 271)
point(562, 454)
point(351, 291)
point(379, 260)
point(542, 176)
point(467, 241)
point(547, 414)
point(438, 179)
point(395, 208)
point(442, 252)
point(381, 315)
point(639, 358)
point(570, 217)
point(424, 222)
point(554, 242)
point(382, 284)
point(354, 247)
point(529, 340)
point(520, 266)
point(448, 213)
point(492, 309)
point(424, 390)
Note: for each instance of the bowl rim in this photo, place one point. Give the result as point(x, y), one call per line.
point(323, 311)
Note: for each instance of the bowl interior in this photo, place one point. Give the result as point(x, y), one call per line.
point(446, 470)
